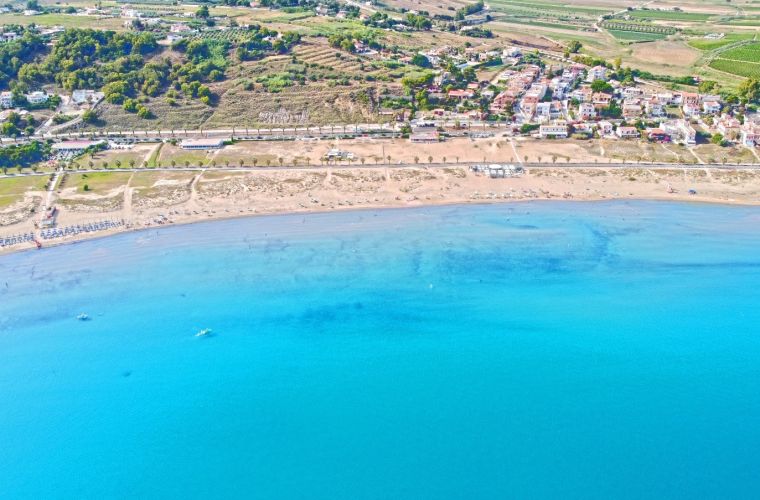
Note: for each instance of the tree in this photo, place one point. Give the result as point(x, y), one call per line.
point(202, 12)
point(601, 86)
point(749, 90)
point(421, 61)
point(574, 46)
point(89, 116)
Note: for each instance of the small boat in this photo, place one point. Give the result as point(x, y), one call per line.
point(206, 332)
point(83, 317)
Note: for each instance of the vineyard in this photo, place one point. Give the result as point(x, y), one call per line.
point(740, 68)
point(324, 56)
point(638, 27)
point(636, 36)
point(745, 53)
point(232, 35)
point(147, 2)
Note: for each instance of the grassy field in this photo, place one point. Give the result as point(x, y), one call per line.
point(65, 20)
point(13, 189)
point(707, 45)
point(668, 15)
point(100, 183)
point(636, 36)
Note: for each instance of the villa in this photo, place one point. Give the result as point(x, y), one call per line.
point(557, 130)
point(627, 132)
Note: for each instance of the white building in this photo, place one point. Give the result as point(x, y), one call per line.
point(6, 100)
point(627, 132)
point(86, 96)
point(586, 111)
point(37, 97)
point(711, 107)
point(681, 131)
point(605, 128)
point(557, 130)
point(202, 144)
point(596, 73)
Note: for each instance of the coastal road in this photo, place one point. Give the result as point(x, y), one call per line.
point(379, 130)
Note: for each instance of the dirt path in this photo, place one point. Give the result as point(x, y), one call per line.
point(700, 160)
point(128, 193)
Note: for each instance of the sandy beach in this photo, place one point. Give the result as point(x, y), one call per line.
point(155, 198)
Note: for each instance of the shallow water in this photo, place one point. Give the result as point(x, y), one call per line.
point(531, 350)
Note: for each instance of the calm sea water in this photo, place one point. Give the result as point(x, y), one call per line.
point(536, 350)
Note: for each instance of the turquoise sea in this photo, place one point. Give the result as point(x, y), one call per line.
point(527, 350)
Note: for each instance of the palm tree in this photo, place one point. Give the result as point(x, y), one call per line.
point(200, 163)
point(388, 158)
point(268, 162)
point(255, 161)
point(105, 164)
point(90, 164)
point(187, 163)
point(280, 160)
point(213, 163)
point(554, 158)
point(174, 163)
point(362, 160)
point(117, 163)
point(430, 159)
point(241, 162)
point(526, 158)
point(444, 159)
point(227, 163)
point(131, 163)
point(295, 162)
point(416, 159)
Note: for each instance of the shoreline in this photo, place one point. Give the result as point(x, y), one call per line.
point(146, 200)
point(90, 237)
